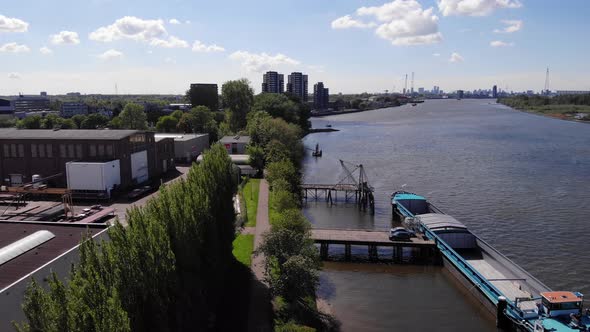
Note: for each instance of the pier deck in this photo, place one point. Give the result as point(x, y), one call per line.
point(421, 249)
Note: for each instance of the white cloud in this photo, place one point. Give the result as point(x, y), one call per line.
point(174, 21)
point(172, 42)
point(403, 22)
point(65, 38)
point(200, 47)
point(45, 50)
point(14, 48)
point(474, 7)
point(187, 22)
point(170, 60)
point(436, 54)
point(511, 26)
point(346, 22)
point(14, 76)
point(499, 43)
point(110, 55)
point(130, 27)
point(261, 62)
point(9, 24)
point(456, 57)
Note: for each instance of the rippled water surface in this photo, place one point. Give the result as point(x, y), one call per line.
point(519, 181)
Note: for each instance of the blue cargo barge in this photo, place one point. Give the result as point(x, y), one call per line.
point(519, 300)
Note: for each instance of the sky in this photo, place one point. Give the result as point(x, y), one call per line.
point(160, 47)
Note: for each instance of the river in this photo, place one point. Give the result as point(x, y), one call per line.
point(520, 181)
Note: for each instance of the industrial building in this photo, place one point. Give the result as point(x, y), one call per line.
point(6, 108)
point(297, 85)
point(68, 110)
point(187, 147)
point(28, 152)
point(235, 144)
point(273, 82)
point(35, 250)
point(26, 104)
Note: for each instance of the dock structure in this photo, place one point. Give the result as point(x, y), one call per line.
point(423, 249)
point(356, 190)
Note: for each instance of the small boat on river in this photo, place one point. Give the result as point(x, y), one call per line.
point(519, 301)
point(317, 152)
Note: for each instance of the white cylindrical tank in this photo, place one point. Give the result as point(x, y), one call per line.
point(36, 182)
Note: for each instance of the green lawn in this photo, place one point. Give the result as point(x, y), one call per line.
point(243, 247)
point(250, 195)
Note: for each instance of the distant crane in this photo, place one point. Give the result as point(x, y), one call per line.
point(546, 90)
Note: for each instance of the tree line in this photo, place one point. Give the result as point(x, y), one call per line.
point(165, 271)
point(524, 101)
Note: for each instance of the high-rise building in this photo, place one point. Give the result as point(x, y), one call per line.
point(495, 92)
point(421, 91)
point(297, 85)
point(204, 94)
point(436, 89)
point(321, 96)
point(273, 82)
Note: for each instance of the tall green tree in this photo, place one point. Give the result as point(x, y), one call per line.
point(94, 121)
point(133, 117)
point(167, 124)
point(30, 122)
point(237, 97)
point(203, 95)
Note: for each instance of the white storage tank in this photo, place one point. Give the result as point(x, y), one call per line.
point(35, 180)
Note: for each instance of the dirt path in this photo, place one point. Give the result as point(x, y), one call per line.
point(259, 318)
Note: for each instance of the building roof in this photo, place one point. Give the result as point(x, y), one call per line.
point(178, 137)
point(67, 236)
point(560, 297)
point(235, 139)
point(437, 221)
point(66, 134)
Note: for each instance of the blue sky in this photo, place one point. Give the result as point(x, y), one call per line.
point(150, 46)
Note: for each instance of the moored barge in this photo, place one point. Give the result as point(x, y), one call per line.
point(519, 300)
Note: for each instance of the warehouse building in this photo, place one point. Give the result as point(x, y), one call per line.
point(235, 144)
point(187, 147)
point(35, 250)
point(24, 153)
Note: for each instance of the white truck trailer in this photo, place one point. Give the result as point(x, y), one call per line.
point(93, 179)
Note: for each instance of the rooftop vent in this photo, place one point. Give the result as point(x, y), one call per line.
point(23, 245)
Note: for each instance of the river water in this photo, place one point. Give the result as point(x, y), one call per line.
point(520, 181)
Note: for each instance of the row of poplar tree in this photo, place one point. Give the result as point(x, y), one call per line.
point(163, 272)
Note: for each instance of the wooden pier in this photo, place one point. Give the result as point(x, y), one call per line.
point(424, 250)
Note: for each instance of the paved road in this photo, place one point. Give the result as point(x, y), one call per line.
point(259, 318)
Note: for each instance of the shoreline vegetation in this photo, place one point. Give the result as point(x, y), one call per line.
point(566, 107)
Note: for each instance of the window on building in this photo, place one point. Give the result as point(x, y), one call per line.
point(49, 150)
point(21, 150)
point(13, 150)
point(109, 150)
point(79, 151)
point(100, 150)
point(40, 150)
point(34, 150)
point(6, 151)
point(92, 150)
point(62, 151)
point(71, 151)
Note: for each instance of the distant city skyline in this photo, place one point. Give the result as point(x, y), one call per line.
point(153, 47)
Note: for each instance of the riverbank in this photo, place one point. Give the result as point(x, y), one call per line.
point(348, 111)
point(576, 113)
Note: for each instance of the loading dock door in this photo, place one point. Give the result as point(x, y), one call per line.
point(139, 167)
